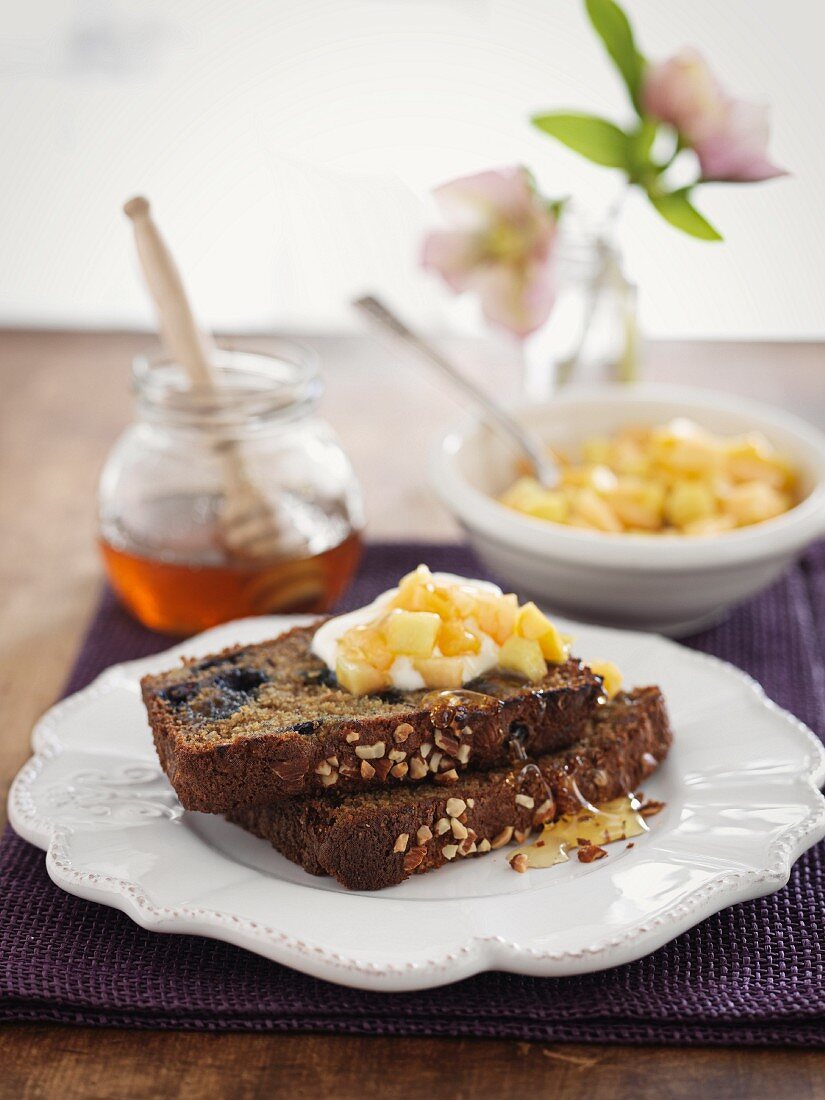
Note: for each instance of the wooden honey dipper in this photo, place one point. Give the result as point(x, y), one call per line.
point(249, 525)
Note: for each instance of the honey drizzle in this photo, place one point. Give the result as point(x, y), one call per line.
point(618, 819)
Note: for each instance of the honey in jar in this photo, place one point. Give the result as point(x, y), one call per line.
point(170, 546)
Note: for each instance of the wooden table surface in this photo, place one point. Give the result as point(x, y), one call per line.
point(65, 397)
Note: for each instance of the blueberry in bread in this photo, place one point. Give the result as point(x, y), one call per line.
point(262, 722)
point(374, 839)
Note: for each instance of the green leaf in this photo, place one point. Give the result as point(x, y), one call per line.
point(677, 209)
point(613, 27)
point(594, 138)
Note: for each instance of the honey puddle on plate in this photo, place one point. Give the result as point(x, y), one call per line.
point(616, 820)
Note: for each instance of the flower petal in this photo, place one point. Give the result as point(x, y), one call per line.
point(517, 300)
point(453, 255)
point(474, 200)
point(737, 150)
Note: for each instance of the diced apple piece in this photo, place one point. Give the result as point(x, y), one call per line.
point(595, 511)
point(531, 622)
point(523, 657)
point(367, 643)
point(596, 450)
point(454, 640)
point(713, 525)
point(505, 617)
point(610, 675)
point(485, 612)
point(464, 600)
point(687, 502)
point(755, 501)
point(441, 672)
point(752, 458)
point(358, 677)
point(529, 497)
point(555, 647)
point(685, 448)
point(638, 503)
point(412, 633)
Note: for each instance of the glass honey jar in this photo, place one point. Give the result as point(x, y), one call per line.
point(229, 500)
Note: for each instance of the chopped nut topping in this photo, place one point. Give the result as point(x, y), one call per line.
point(519, 862)
point(471, 802)
point(370, 752)
point(449, 851)
point(446, 741)
point(543, 812)
point(323, 768)
point(397, 755)
point(450, 776)
point(402, 732)
point(353, 736)
point(521, 835)
point(651, 807)
point(367, 770)
point(588, 852)
point(467, 847)
point(463, 754)
point(456, 807)
point(442, 826)
point(382, 769)
point(414, 858)
point(435, 760)
point(484, 845)
point(459, 830)
point(418, 769)
point(424, 834)
point(328, 780)
point(398, 771)
point(467, 731)
point(426, 749)
point(504, 837)
point(525, 800)
point(402, 842)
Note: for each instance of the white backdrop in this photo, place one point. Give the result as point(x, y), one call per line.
point(288, 147)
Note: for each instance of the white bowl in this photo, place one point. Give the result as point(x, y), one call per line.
point(669, 583)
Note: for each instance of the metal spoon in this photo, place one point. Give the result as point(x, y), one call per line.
point(545, 469)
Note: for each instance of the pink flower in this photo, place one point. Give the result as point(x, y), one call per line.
point(500, 246)
point(730, 136)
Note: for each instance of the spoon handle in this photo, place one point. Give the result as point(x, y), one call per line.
point(545, 470)
point(182, 338)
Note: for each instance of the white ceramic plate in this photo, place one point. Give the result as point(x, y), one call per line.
point(741, 787)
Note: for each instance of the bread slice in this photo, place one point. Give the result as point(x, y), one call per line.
point(268, 721)
point(375, 839)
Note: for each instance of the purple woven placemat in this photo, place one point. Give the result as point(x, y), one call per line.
point(753, 974)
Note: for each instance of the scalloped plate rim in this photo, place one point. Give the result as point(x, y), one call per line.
point(479, 952)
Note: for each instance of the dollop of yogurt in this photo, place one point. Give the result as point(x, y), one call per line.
point(402, 675)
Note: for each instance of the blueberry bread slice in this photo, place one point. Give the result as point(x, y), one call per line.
point(263, 722)
point(375, 839)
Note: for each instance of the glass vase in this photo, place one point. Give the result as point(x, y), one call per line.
point(592, 335)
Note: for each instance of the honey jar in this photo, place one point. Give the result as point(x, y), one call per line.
point(230, 501)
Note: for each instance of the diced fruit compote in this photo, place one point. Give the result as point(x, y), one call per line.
point(448, 633)
point(610, 676)
point(673, 479)
point(412, 633)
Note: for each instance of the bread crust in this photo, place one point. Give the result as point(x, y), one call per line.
point(374, 840)
point(247, 757)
